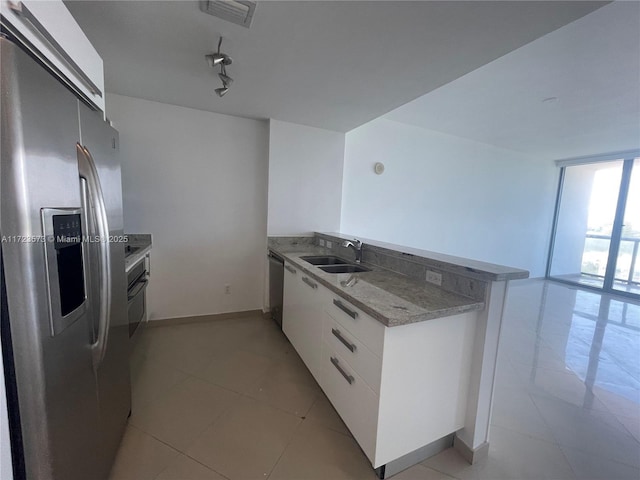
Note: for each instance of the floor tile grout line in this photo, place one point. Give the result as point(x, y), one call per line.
point(205, 465)
point(434, 467)
point(293, 434)
point(162, 396)
point(438, 471)
point(180, 452)
point(529, 435)
point(559, 445)
point(608, 459)
point(318, 423)
point(210, 425)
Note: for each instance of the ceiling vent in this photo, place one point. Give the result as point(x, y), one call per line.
point(239, 12)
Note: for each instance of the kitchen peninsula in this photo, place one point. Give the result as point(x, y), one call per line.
point(405, 350)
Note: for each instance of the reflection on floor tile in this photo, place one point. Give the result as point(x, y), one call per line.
point(513, 456)
point(231, 399)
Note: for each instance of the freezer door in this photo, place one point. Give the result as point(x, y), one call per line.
point(55, 394)
point(100, 144)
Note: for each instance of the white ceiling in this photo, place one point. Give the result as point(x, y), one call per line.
point(592, 66)
point(334, 65)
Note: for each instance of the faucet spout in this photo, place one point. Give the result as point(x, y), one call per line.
point(357, 247)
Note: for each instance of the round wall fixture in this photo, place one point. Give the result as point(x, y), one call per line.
point(378, 168)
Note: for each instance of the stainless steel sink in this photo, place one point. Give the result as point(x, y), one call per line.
point(344, 268)
point(325, 260)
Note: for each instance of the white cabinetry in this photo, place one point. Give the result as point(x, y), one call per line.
point(397, 389)
point(302, 317)
point(51, 33)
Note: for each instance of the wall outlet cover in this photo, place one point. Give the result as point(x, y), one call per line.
point(434, 277)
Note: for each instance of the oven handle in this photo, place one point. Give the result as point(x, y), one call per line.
point(136, 289)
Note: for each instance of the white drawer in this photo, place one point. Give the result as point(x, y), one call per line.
point(357, 355)
point(356, 403)
point(366, 329)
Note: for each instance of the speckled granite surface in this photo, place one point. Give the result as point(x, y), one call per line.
point(391, 298)
point(461, 266)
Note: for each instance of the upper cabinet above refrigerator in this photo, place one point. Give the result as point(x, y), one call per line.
point(49, 31)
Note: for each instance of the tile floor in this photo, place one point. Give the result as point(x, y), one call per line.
point(231, 399)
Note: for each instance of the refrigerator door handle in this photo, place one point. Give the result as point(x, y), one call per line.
point(88, 172)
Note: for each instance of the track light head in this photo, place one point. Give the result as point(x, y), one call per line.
point(226, 79)
point(214, 59)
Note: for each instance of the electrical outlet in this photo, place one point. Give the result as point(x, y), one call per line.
point(329, 244)
point(322, 242)
point(434, 277)
point(227, 289)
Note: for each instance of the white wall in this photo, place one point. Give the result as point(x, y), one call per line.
point(305, 179)
point(197, 181)
point(448, 194)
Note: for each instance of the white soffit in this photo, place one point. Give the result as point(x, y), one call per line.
point(592, 69)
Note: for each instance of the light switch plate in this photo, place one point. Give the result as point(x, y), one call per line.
point(434, 277)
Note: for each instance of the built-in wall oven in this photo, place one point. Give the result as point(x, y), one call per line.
point(138, 278)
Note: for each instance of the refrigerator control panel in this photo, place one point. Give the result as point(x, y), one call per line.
point(67, 230)
point(64, 254)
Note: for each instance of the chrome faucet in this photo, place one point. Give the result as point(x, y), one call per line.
point(357, 247)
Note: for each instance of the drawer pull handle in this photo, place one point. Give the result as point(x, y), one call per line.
point(346, 376)
point(309, 282)
point(346, 310)
point(344, 341)
point(291, 269)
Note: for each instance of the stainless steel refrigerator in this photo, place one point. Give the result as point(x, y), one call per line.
point(64, 330)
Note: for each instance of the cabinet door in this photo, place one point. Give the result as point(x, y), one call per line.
point(302, 316)
point(311, 335)
point(292, 310)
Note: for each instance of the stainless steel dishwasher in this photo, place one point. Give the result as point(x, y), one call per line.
point(276, 280)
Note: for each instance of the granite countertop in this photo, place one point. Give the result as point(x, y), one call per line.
point(143, 243)
point(463, 266)
point(391, 298)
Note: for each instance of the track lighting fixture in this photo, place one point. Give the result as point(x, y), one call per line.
point(222, 60)
point(221, 92)
point(226, 79)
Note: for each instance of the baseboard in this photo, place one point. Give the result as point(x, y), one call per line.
point(471, 455)
point(413, 458)
point(163, 322)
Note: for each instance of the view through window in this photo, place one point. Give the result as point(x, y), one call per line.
point(597, 231)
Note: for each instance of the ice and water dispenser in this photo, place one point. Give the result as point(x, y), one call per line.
point(65, 267)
